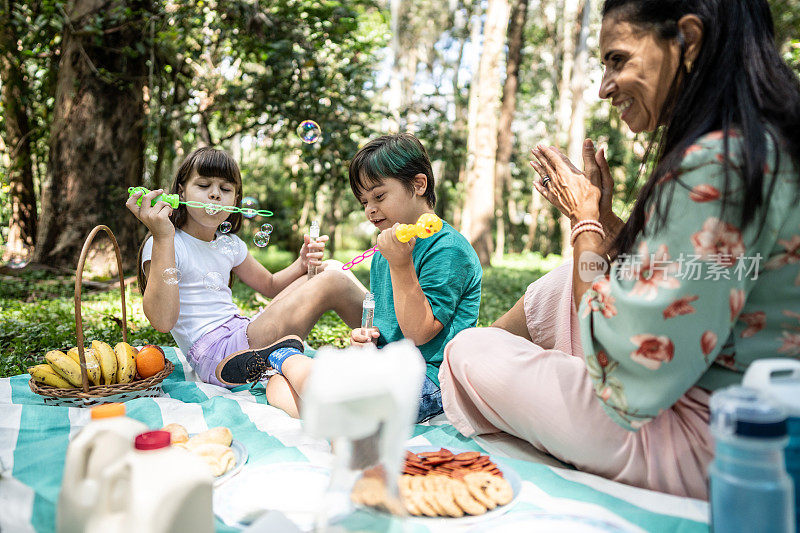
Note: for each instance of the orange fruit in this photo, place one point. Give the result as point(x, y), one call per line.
point(150, 361)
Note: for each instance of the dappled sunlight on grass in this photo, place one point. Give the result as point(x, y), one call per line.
point(37, 308)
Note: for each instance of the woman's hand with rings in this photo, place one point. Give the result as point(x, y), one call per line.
point(576, 194)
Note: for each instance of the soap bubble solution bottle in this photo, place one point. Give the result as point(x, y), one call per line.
point(313, 234)
point(749, 488)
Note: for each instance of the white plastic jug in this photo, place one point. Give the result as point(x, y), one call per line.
point(155, 488)
point(107, 438)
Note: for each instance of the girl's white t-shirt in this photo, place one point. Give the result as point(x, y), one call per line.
point(206, 301)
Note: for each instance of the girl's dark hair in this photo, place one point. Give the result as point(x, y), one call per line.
point(738, 82)
point(400, 156)
point(209, 163)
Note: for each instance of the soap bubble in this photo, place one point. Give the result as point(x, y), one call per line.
point(225, 244)
point(309, 131)
point(213, 209)
point(249, 207)
point(225, 227)
point(213, 281)
point(261, 239)
point(266, 228)
point(171, 276)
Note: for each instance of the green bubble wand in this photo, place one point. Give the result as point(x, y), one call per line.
point(174, 201)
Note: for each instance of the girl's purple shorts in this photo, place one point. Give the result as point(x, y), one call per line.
point(210, 349)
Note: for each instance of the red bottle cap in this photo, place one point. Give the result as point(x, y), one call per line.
point(152, 440)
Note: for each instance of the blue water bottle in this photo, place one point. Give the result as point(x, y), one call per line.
point(779, 378)
point(749, 488)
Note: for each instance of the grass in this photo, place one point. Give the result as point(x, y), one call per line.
point(37, 307)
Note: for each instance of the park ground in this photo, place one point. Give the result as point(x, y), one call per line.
point(37, 307)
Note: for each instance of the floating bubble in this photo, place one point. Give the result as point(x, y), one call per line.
point(171, 276)
point(213, 281)
point(266, 228)
point(309, 131)
point(213, 209)
point(261, 239)
point(225, 244)
point(249, 207)
point(225, 227)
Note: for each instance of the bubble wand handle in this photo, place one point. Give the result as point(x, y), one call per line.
point(427, 225)
point(172, 199)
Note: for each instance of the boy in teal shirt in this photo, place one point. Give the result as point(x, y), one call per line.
point(426, 290)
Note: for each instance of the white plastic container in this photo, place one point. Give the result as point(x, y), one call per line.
point(780, 379)
point(106, 439)
point(155, 489)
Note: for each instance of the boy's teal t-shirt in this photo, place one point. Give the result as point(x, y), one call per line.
point(450, 274)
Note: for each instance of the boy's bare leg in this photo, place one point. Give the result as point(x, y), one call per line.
point(296, 312)
point(280, 394)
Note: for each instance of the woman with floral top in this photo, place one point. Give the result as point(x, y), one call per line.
point(612, 373)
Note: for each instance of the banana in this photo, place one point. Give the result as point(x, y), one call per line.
point(65, 367)
point(126, 362)
point(92, 366)
point(45, 374)
point(108, 361)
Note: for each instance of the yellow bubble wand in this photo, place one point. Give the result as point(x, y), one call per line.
point(427, 225)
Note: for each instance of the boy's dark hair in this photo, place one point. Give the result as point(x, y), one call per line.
point(400, 156)
point(209, 163)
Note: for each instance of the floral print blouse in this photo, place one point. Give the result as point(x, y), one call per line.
point(700, 299)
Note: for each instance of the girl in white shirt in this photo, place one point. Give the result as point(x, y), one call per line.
point(185, 266)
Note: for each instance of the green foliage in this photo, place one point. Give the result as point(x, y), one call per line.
point(38, 309)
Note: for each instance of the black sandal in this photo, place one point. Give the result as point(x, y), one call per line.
point(251, 366)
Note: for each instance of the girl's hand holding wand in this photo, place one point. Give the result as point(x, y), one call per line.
point(155, 217)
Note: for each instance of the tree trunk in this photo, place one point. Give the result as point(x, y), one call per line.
point(461, 216)
point(97, 139)
point(564, 106)
point(479, 203)
point(505, 139)
point(17, 138)
point(577, 125)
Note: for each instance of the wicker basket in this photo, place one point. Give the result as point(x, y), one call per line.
point(88, 396)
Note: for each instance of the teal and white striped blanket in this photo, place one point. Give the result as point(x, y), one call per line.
point(34, 438)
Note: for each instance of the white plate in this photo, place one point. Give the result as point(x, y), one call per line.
point(239, 453)
point(295, 489)
point(510, 475)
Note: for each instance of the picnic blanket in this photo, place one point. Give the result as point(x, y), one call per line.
point(34, 439)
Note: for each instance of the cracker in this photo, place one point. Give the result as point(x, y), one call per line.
point(465, 500)
point(495, 487)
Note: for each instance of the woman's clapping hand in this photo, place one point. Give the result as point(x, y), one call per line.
point(578, 195)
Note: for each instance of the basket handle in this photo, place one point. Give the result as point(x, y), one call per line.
point(79, 286)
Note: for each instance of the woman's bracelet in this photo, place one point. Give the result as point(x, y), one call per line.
point(588, 221)
point(586, 225)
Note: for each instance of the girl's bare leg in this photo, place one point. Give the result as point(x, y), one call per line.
point(296, 311)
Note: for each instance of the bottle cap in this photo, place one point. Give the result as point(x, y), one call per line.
point(152, 440)
point(108, 410)
point(745, 412)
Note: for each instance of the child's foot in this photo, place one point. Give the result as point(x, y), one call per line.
point(250, 366)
